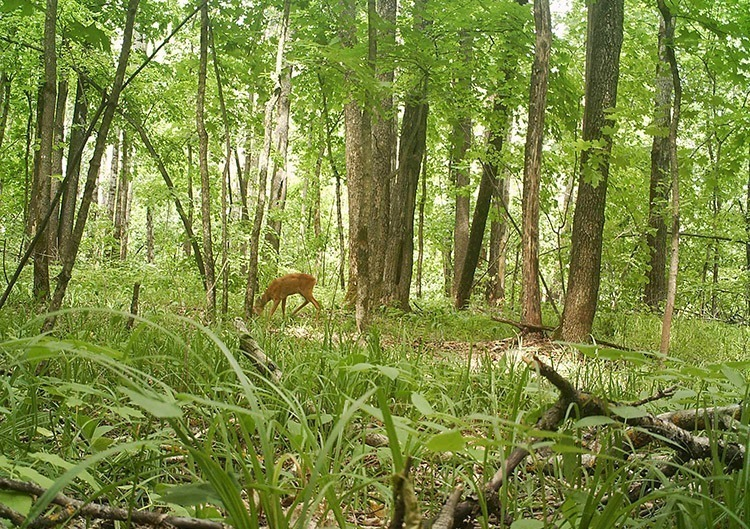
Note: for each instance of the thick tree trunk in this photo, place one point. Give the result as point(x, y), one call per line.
point(400, 260)
point(77, 138)
point(481, 210)
point(604, 40)
point(101, 141)
point(655, 290)
point(208, 247)
point(531, 299)
point(43, 169)
point(383, 148)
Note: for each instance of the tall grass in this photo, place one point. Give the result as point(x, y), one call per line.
point(170, 414)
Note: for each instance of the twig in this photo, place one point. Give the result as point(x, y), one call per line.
point(73, 507)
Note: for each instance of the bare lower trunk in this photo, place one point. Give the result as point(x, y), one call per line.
point(57, 165)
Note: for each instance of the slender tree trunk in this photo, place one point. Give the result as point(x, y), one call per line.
point(604, 40)
point(77, 138)
point(184, 216)
point(149, 234)
point(531, 303)
point(43, 169)
point(263, 165)
point(420, 228)
point(279, 181)
point(57, 162)
point(114, 178)
point(655, 290)
point(669, 23)
point(6, 83)
point(499, 236)
point(208, 247)
point(188, 243)
point(123, 197)
point(64, 276)
point(481, 212)
point(225, 184)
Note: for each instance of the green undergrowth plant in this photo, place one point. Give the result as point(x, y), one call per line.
point(170, 414)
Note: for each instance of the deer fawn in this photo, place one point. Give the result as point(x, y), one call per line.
point(282, 287)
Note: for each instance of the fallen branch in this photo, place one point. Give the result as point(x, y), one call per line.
point(72, 508)
point(527, 328)
point(252, 350)
point(666, 428)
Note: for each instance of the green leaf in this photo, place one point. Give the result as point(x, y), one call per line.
point(628, 412)
point(735, 377)
point(156, 405)
point(595, 420)
point(90, 34)
point(191, 494)
point(451, 441)
point(18, 501)
point(422, 404)
point(527, 524)
point(27, 7)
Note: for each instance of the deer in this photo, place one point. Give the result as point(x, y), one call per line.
point(282, 287)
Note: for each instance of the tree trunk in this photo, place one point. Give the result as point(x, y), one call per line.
point(5, 92)
point(337, 178)
point(43, 167)
point(669, 24)
point(123, 196)
point(57, 162)
point(277, 198)
point(184, 216)
point(263, 165)
point(208, 247)
point(64, 276)
point(225, 183)
point(481, 210)
point(114, 179)
point(400, 261)
point(499, 236)
point(604, 40)
point(531, 299)
point(188, 244)
point(420, 228)
point(655, 290)
point(77, 138)
point(383, 146)
point(149, 234)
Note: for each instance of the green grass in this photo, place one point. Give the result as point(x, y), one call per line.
point(169, 414)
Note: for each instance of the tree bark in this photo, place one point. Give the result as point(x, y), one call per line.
point(420, 228)
point(77, 138)
point(123, 198)
point(278, 190)
point(114, 178)
point(481, 209)
point(459, 166)
point(101, 141)
point(43, 167)
point(149, 234)
point(383, 145)
point(6, 83)
point(499, 236)
point(57, 164)
point(669, 24)
point(604, 40)
point(208, 247)
point(655, 290)
point(263, 165)
point(400, 261)
point(531, 299)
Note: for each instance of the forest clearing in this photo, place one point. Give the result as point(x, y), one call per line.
point(513, 237)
